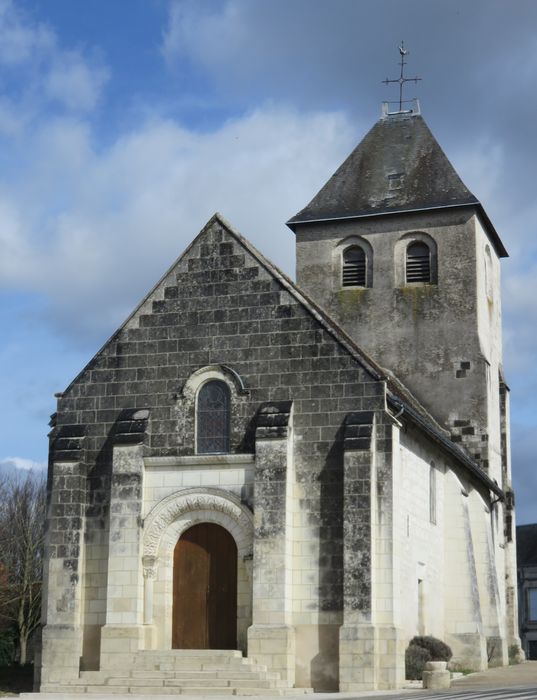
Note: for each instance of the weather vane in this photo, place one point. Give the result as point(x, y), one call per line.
point(401, 79)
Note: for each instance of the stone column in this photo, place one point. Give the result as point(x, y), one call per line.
point(271, 638)
point(62, 585)
point(123, 634)
point(357, 637)
point(371, 643)
point(150, 573)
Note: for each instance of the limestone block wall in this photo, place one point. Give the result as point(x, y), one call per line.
point(429, 335)
point(488, 539)
point(421, 535)
point(165, 475)
point(221, 306)
point(463, 615)
point(458, 558)
point(94, 580)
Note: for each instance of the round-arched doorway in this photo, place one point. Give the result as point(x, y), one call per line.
point(205, 589)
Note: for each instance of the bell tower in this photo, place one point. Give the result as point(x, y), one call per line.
point(404, 257)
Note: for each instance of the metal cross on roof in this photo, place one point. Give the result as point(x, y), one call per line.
point(401, 79)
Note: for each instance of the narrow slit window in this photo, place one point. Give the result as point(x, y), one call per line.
point(354, 267)
point(418, 263)
point(213, 418)
point(432, 494)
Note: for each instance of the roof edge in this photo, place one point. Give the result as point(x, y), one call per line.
point(215, 217)
point(489, 226)
point(448, 445)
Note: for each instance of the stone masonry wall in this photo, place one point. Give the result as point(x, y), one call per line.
point(218, 305)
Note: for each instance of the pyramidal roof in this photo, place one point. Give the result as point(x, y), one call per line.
point(398, 167)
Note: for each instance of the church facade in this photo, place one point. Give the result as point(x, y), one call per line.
point(258, 485)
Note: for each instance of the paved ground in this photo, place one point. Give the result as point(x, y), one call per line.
point(508, 683)
point(503, 677)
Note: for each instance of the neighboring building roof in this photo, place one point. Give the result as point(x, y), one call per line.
point(526, 545)
point(398, 395)
point(398, 167)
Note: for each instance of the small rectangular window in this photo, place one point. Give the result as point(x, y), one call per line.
point(532, 604)
point(432, 494)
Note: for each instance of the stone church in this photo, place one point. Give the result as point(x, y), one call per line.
point(258, 485)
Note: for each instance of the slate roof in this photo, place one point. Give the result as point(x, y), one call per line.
point(398, 167)
point(526, 545)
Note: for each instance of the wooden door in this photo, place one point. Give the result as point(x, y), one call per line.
point(205, 589)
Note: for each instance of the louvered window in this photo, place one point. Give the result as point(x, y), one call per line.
point(213, 418)
point(418, 263)
point(354, 267)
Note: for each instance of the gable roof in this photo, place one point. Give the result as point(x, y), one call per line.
point(398, 395)
point(398, 167)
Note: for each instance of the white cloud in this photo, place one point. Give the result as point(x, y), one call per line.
point(75, 83)
point(45, 71)
point(481, 167)
point(11, 463)
point(21, 39)
point(174, 39)
point(94, 229)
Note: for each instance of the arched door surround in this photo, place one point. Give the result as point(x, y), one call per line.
point(164, 526)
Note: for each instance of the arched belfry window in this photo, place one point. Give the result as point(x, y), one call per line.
point(354, 267)
point(213, 409)
point(418, 262)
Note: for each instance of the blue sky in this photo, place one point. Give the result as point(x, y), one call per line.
point(125, 125)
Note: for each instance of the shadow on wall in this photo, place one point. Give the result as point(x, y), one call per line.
point(324, 666)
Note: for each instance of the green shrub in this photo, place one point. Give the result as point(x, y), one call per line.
point(415, 660)
point(515, 656)
point(7, 647)
point(438, 650)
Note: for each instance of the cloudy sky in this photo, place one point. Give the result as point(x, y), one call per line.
point(124, 126)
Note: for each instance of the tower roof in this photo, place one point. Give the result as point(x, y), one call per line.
point(398, 167)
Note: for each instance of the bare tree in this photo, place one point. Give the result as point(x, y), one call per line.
point(22, 526)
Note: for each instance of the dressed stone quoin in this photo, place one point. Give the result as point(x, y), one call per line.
point(257, 485)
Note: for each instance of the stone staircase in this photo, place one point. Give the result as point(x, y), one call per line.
point(181, 672)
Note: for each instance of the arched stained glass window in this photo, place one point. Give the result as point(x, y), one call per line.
point(213, 418)
point(418, 263)
point(354, 267)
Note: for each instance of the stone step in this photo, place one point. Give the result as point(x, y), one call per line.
point(197, 668)
point(157, 663)
point(64, 689)
point(223, 673)
point(59, 692)
point(200, 682)
point(185, 653)
point(195, 690)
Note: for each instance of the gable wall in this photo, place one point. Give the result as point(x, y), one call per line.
point(220, 306)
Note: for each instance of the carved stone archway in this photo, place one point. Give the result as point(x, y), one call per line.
point(163, 527)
